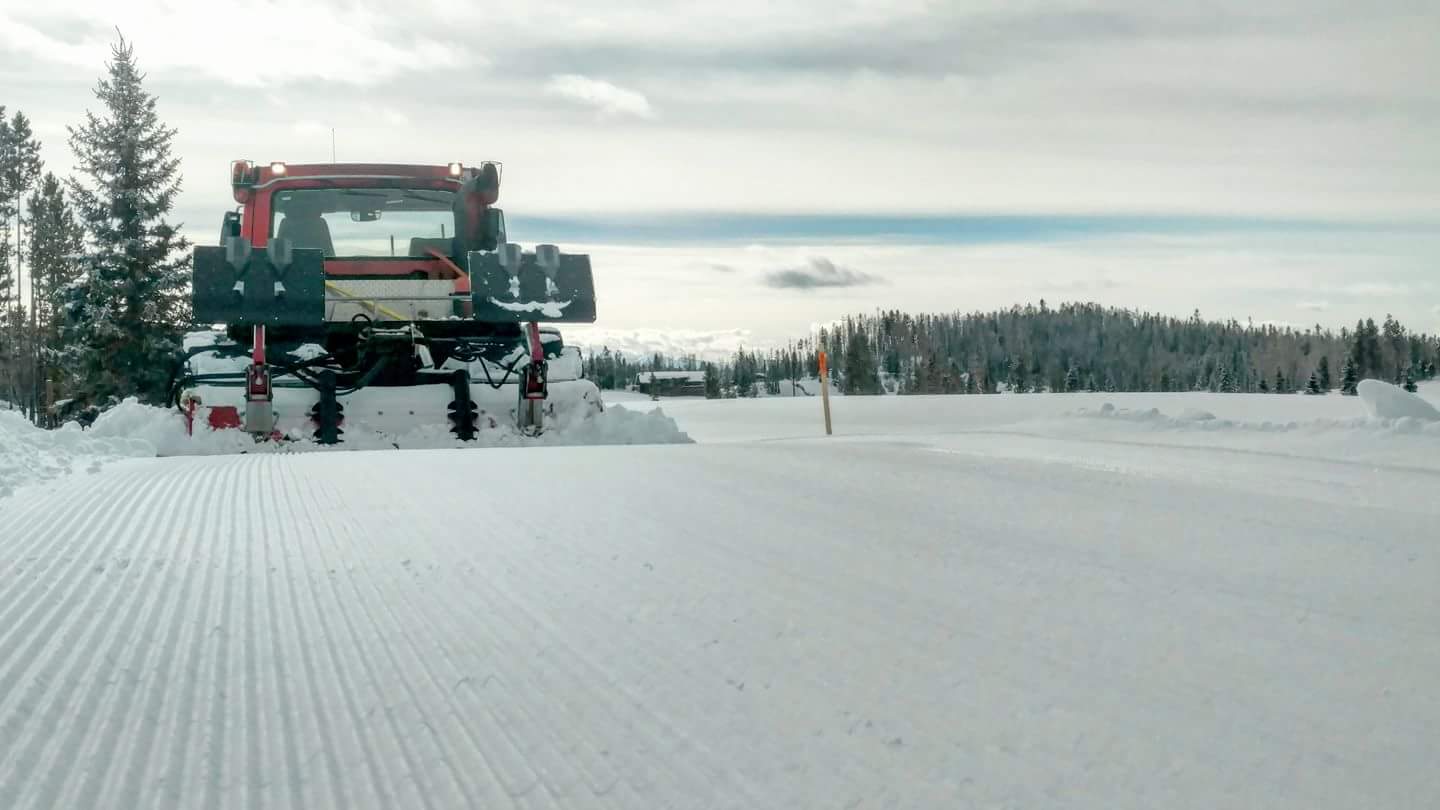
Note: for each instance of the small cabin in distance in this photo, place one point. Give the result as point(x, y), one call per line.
point(671, 383)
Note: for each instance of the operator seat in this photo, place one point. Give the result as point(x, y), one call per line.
point(306, 229)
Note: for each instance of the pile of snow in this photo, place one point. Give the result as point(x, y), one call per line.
point(1385, 401)
point(29, 455)
point(163, 430)
point(1388, 409)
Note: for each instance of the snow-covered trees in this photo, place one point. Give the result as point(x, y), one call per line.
point(124, 330)
point(1226, 382)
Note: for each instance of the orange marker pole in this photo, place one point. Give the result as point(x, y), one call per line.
point(825, 391)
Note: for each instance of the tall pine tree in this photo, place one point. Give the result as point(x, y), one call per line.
point(1349, 377)
point(55, 242)
point(127, 327)
point(861, 375)
point(1323, 374)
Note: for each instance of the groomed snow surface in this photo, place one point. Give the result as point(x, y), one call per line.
point(1038, 601)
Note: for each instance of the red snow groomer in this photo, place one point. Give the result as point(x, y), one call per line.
point(379, 295)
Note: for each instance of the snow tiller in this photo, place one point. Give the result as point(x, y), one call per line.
point(380, 296)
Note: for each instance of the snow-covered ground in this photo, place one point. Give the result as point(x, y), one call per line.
point(1093, 601)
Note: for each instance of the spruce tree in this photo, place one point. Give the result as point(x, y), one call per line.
point(1323, 372)
point(1313, 387)
point(55, 239)
point(134, 304)
point(1409, 384)
point(861, 374)
point(1280, 385)
point(1018, 382)
point(1263, 387)
point(1349, 377)
point(712, 382)
point(1072, 379)
point(1110, 386)
point(1226, 384)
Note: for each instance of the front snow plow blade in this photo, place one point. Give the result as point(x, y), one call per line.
point(276, 287)
point(512, 286)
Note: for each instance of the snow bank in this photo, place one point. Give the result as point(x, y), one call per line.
point(1386, 415)
point(29, 455)
point(1385, 401)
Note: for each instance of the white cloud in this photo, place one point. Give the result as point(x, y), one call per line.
point(609, 99)
point(1313, 306)
point(706, 344)
point(310, 128)
point(358, 47)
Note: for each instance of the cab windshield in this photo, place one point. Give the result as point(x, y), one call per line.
point(366, 222)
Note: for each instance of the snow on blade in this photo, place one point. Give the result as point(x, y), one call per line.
point(162, 430)
point(1385, 401)
point(550, 309)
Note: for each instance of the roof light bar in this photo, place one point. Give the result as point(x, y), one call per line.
point(277, 168)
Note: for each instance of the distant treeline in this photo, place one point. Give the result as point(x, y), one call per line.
point(1073, 347)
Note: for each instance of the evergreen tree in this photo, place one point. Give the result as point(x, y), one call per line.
point(19, 169)
point(134, 305)
point(970, 385)
point(1409, 384)
point(1165, 382)
point(1313, 387)
point(1280, 385)
point(55, 239)
point(1263, 387)
point(1110, 387)
point(1349, 377)
point(1018, 380)
point(1072, 379)
point(861, 376)
point(712, 382)
point(1226, 384)
point(1365, 350)
point(1323, 372)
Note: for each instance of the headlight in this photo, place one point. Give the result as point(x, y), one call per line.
point(455, 169)
point(277, 168)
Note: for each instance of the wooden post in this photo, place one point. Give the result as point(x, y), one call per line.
point(825, 391)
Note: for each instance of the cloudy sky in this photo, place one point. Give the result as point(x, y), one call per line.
point(742, 170)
